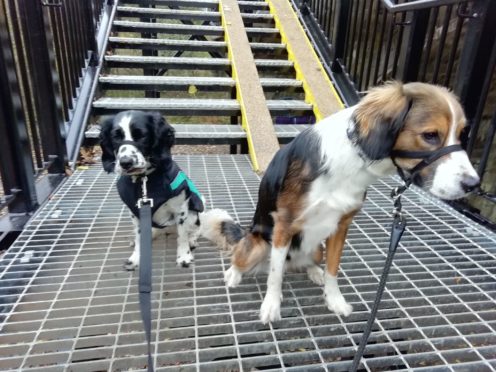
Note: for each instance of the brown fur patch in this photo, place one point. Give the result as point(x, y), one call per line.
point(249, 252)
point(335, 243)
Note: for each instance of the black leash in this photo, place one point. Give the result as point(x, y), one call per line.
point(145, 267)
point(397, 229)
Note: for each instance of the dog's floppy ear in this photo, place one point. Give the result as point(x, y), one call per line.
point(164, 133)
point(379, 118)
point(108, 156)
point(164, 137)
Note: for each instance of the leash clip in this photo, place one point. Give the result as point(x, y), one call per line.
point(396, 196)
point(144, 199)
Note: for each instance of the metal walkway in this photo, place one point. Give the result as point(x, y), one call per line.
point(68, 305)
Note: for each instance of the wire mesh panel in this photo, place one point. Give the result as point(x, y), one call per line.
point(67, 303)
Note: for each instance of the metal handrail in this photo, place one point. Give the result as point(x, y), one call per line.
point(416, 5)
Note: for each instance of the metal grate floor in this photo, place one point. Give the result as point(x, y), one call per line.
point(67, 305)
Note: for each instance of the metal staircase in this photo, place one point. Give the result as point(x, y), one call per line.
point(172, 56)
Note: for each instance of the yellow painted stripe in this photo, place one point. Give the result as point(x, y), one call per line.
point(309, 96)
point(239, 96)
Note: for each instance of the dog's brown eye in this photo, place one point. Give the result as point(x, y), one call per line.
point(431, 137)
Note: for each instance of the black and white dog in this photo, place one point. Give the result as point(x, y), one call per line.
point(136, 144)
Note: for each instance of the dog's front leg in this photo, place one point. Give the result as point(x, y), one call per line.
point(271, 306)
point(133, 261)
point(184, 255)
point(334, 248)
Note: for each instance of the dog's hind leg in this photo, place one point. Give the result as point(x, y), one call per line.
point(314, 272)
point(248, 253)
point(334, 249)
point(133, 261)
point(271, 305)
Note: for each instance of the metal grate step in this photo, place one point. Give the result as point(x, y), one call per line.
point(190, 134)
point(212, 4)
point(187, 15)
point(127, 61)
point(181, 83)
point(174, 106)
point(182, 106)
point(189, 45)
point(167, 44)
point(184, 29)
point(67, 304)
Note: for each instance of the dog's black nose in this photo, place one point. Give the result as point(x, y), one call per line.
point(470, 183)
point(126, 162)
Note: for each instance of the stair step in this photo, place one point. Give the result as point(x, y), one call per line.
point(174, 28)
point(190, 45)
point(183, 29)
point(190, 134)
point(212, 4)
point(190, 63)
point(187, 15)
point(134, 82)
point(167, 44)
point(175, 106)
point(186, 106)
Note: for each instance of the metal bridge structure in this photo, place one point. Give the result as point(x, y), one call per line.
point(246, 76)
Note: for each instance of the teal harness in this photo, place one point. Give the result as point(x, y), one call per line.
point(162, 186)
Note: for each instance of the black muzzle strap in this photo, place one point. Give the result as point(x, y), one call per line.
point(428, 157)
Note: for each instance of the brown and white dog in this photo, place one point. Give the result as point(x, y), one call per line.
point(316, 184)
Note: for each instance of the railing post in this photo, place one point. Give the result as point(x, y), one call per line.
point(39, 47)
point(16, 164)
point(340, 32)
point(413, 41)
point(472, 71)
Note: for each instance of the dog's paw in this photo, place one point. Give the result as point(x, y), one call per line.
point(129, 265)
point(232, 277)
point(185, 259)
point(338, 305)
point(316, 274)
point(270, 311)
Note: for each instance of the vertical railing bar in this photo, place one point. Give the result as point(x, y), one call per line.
point(392, 20)
point(367, 36)
point(442, 40)
point(486, 150)
point(76, 39)
point(398, 45)
point(454, 47)
point(374, 50)
point(350, 38)
point(358, 46)
point(329, 14)
point(82, 55)
point(16, 162)
point(65, 62)
point(26, 92)
point(69, 37)
point(427, 51)
point(375, 77)
point(66, 98)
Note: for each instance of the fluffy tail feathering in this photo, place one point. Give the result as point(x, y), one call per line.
point(219, 227)
point(248, 249)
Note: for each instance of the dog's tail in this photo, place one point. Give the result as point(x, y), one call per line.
point(219, 227)
point(248, 249)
